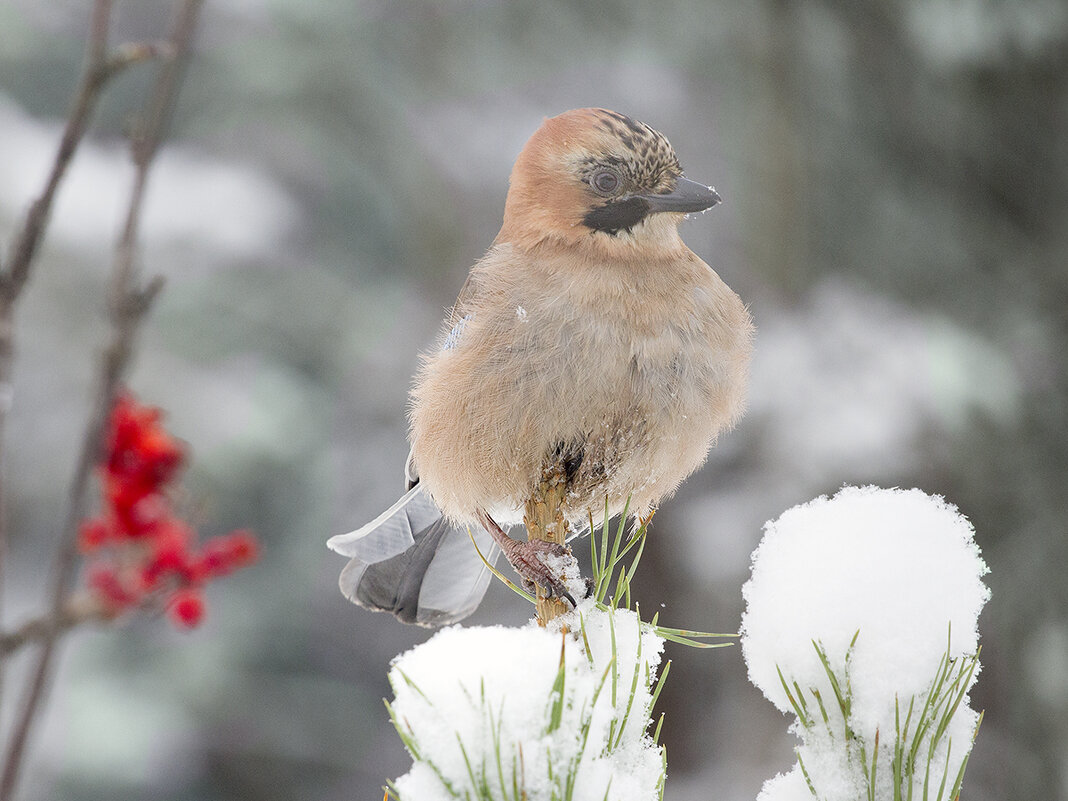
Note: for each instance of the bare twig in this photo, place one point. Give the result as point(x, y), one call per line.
point(98, 70)
point(130, 53)
point(128, 304)
point(78, 610)
point(14, 273)
point(95, 74)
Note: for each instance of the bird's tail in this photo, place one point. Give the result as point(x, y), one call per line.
point(412, 562)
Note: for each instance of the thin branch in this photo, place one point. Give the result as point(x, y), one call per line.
point(98, 70)
point(13, 275)
point(128, 304)
point(130, 53)
point(93, 79)
point(78, 610)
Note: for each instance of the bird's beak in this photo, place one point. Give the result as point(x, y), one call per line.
point(688, 196)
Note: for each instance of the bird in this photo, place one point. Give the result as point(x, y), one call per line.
point(588, 339)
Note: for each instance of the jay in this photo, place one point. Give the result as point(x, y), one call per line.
point(589, 341)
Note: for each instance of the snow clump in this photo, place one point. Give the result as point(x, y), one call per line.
point(529, 713)
point(861, 620)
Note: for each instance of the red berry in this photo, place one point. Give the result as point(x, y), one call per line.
point(110, 589)
point(186, 608)
point(155, 554)
point(244, 548)
point(92, 534)
point(160, 455)
point(170, 559)
point(223, 555)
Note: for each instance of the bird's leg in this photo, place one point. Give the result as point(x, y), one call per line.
point(525, 559)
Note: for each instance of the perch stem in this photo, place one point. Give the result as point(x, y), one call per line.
point(544, 520)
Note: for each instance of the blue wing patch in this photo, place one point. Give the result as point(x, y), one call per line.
point(453, 339)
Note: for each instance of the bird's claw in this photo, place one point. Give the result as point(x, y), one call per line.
point(526, 560)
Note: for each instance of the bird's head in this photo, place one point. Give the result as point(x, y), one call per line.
point(596, 179)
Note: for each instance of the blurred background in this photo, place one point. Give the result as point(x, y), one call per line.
point(895, 175)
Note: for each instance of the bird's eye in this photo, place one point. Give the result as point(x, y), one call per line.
point(605, 182)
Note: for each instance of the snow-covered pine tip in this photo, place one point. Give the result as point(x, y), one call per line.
point(861, 619)
point(508, 714)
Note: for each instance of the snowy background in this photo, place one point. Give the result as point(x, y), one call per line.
point(895, 177)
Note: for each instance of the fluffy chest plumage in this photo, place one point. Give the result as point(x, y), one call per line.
point(609, 340)
point(629, 375)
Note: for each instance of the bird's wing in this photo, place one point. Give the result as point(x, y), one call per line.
point(411, 472)
point(467, 291)
point(455, 320)
point(412, 562)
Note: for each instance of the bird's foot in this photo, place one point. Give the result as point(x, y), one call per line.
point(544, 564)
point(539, 563)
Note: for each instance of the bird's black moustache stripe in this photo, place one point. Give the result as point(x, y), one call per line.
point(616, 216)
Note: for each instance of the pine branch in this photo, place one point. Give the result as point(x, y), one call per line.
point(544, 520)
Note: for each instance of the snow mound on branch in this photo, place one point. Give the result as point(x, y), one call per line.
point(882, 588)
point(899, 566)
point(483, 712)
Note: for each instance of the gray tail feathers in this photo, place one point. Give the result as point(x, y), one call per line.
point(410, 561)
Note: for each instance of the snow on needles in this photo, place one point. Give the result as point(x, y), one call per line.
point(484, 714)
point(898, 571)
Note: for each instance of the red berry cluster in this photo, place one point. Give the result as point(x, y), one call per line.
point(141, 554)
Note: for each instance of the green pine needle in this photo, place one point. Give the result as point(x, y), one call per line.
point(513, 587)
point(615, 554)
point(556, 695)
point(921, 730)
point(659, 686)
